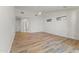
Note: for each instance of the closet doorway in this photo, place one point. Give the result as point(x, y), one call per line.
point(24, 25)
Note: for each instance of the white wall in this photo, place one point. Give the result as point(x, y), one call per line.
point(72, 25)
point(31, 24)
point(7, 28)
point(66, 27)
point(35, 22)
point(56, 27)
point(77, 25)
point(18, 25)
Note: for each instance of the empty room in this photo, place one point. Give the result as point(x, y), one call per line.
point(39, 29)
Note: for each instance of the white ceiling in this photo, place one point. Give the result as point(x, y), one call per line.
point(44, 8)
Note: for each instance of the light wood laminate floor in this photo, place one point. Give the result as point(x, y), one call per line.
point(42, 42)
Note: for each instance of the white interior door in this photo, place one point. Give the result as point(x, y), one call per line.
point(24, 25)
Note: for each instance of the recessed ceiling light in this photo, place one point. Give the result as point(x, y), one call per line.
point(39, 13)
